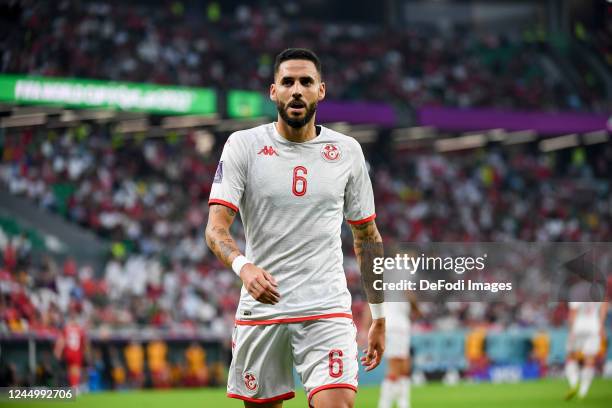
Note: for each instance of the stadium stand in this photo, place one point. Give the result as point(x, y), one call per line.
point(408, 65)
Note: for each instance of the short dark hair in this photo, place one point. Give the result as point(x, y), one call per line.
point(297, 54)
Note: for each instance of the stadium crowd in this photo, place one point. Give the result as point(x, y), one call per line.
point(195, 45)
point(148, 198)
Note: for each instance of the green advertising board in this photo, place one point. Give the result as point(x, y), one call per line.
point(248, 104)
point(89, 93)
point(244, 104)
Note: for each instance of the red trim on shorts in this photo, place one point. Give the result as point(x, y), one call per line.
point(225, 203)
point(330, 386)
point(281, 397)
point(362, 221)
point(292, 319)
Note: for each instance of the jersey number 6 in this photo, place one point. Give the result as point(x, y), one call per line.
point(335, 363)
point(299, 189)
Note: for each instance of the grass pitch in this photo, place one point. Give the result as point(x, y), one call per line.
point(536, 394)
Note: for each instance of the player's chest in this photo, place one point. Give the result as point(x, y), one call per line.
point(298, 174)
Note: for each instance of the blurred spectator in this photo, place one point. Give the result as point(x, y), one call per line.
point(134, 358)
point(158, 365)
point(196, 373)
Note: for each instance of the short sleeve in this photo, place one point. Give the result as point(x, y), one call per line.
point(358, 195)
point(230, 177)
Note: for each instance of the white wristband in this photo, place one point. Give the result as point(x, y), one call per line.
point(238, 263)
point(378, 310)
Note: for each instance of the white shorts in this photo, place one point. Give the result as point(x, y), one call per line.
point(587, 343)
point(397, 343)
point(323, 352)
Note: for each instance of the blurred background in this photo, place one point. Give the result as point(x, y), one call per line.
point(480, 121)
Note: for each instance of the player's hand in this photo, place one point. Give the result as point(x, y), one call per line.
point(376, 345)
point(260, 284)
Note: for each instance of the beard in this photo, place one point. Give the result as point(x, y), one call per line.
point(296, 123)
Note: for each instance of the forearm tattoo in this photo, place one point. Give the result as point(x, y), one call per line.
point(368, 245)
point(218, 237)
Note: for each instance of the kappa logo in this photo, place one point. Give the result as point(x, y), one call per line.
point(330, 152)
point(268, 151)
point(250, 381)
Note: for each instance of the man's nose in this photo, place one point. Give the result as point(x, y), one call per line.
point(297, 90)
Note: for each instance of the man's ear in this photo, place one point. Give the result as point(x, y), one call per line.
point(321, 91)
point(273, 92)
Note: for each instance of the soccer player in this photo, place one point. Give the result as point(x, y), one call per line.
point(72, 345)
point(396, 385)
point(586, 331)
point(293, 182)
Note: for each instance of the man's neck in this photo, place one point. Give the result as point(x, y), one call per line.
point(299, 135)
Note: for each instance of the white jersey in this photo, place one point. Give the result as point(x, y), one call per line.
point(587, 317)
point(292, 198)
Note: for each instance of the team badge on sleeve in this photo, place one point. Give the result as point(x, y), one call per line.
point(250, 381)
point(330, 152)
point(219, 173)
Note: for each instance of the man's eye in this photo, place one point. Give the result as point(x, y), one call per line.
point(287, 82)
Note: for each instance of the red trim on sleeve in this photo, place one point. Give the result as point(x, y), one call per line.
point(225, 203)
point(292, 319)
point(362, 221)
point(281, 397)
point(329, 386)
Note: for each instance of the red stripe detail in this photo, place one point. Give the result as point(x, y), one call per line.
point(225, 203)
point(292, 319)
point(363, 221)
point(329, 386)
point(282, 397)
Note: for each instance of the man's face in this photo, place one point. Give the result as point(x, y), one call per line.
point(297, 89)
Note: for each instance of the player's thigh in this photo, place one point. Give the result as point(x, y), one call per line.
point(590, 348)
point(261, 368)
point(398, 367)
point(334, 398)
point(325, 356)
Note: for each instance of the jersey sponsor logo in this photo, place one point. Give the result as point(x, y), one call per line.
point(268, 151)
point(219, 173)
point(330, 152)
point(250, 381)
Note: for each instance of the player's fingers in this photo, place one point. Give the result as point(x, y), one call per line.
point(270, 278)
point(256, 291)
point(372, 361)
point(263, 298)
point(267, 286)
point(369, 356)
point(376, 361)
point(264, 295)
point(269, 298)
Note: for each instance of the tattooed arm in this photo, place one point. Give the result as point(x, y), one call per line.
point(258, 282)
point(368, 245)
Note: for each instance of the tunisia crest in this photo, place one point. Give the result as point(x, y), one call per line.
point(250, 381)
point(330, 152)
